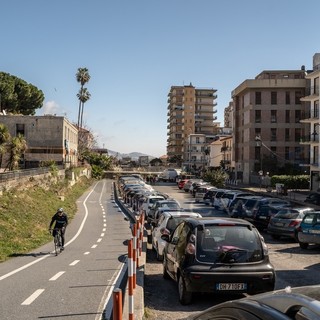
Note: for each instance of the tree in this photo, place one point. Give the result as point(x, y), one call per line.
point(83, 97)
point(216, 177)
point(4, 139)
point(19, 97)
point(82, 77)
point(16, 147)
point(156, 162)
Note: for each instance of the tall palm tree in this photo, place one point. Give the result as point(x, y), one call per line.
point(82, 77)
point(4, 139)
point(83, 96)
point(17, 146)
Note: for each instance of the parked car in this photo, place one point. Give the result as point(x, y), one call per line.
point(209, 195)
point(166, 224)
point(216, 198)
point(168, 203)
point(201, 191)
point(286, 222)
point(229, 196)
point(236, 206)
point(263, 215)
point(149, 202)
point(218, 255)
point(189, 183)
point(251, 206)
point(313, 198)
point(309, 230)
point(300, 303)
point(181, 183)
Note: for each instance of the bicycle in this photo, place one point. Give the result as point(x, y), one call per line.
point(57, 240)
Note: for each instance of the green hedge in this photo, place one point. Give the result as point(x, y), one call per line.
point(292, 182)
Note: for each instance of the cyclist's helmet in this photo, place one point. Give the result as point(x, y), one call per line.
point(60, 210)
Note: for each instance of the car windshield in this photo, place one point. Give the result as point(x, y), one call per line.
point(228, 244)
point(287, 215)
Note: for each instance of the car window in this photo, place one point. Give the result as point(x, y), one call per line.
point(308, 219)
point(228, 244)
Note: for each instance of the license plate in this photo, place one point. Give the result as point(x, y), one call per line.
point(314, 231)
point(279, 224)
point(263, 217)
point(231, 286)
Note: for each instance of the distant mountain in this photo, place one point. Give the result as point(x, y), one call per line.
point(132, 155)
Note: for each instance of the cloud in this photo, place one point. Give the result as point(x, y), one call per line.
point(51, 107)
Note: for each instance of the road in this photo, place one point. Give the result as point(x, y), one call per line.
point(294, 267)
point(77, 283)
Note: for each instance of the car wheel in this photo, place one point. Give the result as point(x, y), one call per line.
point(303, 245)
point(165, 273)
point(184, 296)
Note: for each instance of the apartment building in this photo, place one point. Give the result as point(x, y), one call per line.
point(49, 138)
point(266, 123)
point(190, 111)
point(311, 119)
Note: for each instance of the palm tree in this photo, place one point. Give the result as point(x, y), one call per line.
point(17, 146)
point(82, 77)
point(83, 96)
point(4, 139)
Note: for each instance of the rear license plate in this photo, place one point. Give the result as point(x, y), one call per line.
point(279, 224)
point(314, 231)
point(263, 217)
point(231, 286)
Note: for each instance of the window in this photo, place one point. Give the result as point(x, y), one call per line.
point(297, 116)
point(273, 116)
point(258, 97)
point(273, 152)
point(287, 134)
point(298, 95)
point(287, 153)
point(257, 132)
point(287, 97)
point(287, 116)
point(258, 116)
point(257, 153)
point(273, 97)
point(273, 136)
point(20, 129)
point(297, 134)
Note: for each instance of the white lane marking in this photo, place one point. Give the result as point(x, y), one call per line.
point(104, 220)
point(46, 256)
point(74, 262)
point(104, 224)
point(99, 240)
point(56, 276)
point(33, 297)
point(86, 253)
point(104, 229)
point(102, 235)
point(94, 246)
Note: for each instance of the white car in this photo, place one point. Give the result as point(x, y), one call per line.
point(166, 224)
point(149, 202)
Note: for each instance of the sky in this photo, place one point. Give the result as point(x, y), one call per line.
point(136, 50)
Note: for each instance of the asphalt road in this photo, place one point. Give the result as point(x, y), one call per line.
point(78, 283)
point(294, 267)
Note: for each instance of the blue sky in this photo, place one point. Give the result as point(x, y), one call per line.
point(136, 50)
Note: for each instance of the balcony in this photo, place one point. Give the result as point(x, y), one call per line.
point(311, 93)
point(310, 139)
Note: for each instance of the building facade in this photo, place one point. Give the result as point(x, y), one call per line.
point(190, 111)
point(266, 123)
point(48, 138)
point(312, 120)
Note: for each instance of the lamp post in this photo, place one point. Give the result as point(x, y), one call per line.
point(259, 144)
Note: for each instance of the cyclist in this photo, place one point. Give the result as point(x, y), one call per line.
point(61, 221)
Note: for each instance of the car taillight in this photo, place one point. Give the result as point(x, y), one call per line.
point(190, 249)
point(294, 223)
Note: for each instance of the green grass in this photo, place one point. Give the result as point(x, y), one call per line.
point(25, 215)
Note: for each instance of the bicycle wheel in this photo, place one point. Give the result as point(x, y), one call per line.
point(56, 244)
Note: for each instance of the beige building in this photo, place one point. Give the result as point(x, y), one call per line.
point(311, 119)
point(266, 123)
point(49, 138)
point(190, 111)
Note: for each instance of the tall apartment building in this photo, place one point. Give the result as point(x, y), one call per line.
point(312, 118)
point(266, 123)
point(190, 111)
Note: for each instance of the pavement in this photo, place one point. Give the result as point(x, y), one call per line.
point(295, 196)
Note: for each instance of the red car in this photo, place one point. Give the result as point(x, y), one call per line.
point(181, 183)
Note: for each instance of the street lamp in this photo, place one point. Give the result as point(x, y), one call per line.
point(259, 144)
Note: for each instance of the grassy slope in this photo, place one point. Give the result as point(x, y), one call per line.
point(25, 216)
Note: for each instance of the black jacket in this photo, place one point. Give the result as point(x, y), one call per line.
point(61, 221)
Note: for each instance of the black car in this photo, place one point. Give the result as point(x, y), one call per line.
point(313, 198)
point(218, 255)
point(300, 303)
point(263, 215)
